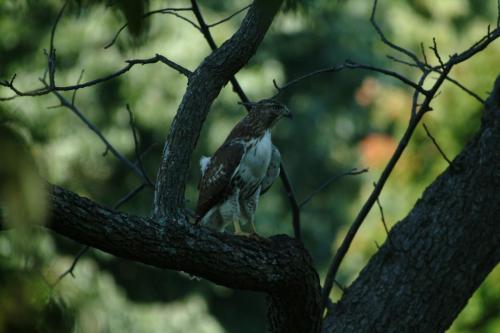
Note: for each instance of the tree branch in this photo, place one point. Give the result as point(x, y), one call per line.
point(276, 266)
point(437, 145)
point(168, 10)
point(416, 115)
point(138, 171)
point(348, 64)
point(387, 42)
point(436, 69)
point(229, 17)
point(205, 30)
point(130, 63)
point(293, 202)
point(195, 250)
point(446, 246)
point(351, 172)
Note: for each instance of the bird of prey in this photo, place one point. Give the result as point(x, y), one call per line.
point(247, 205)
point(243, 168)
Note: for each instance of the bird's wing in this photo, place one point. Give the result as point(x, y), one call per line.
point(204, 161)
point(215, 184)
point(273, 171)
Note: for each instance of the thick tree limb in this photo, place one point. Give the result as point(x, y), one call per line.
point(203, 87)
point(442, 250)
point(279, 266)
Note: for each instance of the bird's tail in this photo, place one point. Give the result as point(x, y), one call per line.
point(204, 160)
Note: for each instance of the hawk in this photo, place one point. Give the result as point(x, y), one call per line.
point(240, 170)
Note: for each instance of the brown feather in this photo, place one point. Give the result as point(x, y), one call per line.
point(216, 181)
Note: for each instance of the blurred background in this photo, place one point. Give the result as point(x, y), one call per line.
point(341, 121)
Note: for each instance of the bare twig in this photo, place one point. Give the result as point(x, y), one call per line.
point(205, 30)
point(229, 17)
point(467, 90)
point(130, 63)
point(64, 102)
point(71, 268)
point(416, 94)
point(434, 48)
point(51, 63)
point(293, 202)
point(393, 46)
point(438, 70)
point(341, 287)
point(183, 18)
point(476, 48)
point(351, 172)
point(168, 10)
point(423, 53)
point(146, 151)
point(498, 14)
point(348, 64)
point(51, 55)
point(401, 61)
point(74, 91)
point(382, 217)
point(136, 144)
point(129, 195)
point(437, 145)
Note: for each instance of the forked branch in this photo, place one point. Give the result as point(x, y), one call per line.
point(417, 113)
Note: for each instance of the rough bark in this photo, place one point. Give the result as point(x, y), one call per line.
point(278, 266)
point(435, 258)
point(204, 85)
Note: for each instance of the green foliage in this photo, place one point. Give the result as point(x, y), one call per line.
point(26, 305)
point(22, 191)
point(342, 120)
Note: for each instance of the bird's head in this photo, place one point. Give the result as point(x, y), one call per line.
point(267, 112)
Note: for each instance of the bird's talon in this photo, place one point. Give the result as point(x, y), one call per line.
point(252, 235)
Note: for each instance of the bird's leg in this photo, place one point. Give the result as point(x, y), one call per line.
point(236, 222)
point(248, 207)
point(239, 232)
point(252, 228)
point(252, 207)
point(237, 228)
point(236, 218)
point(231, 212)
